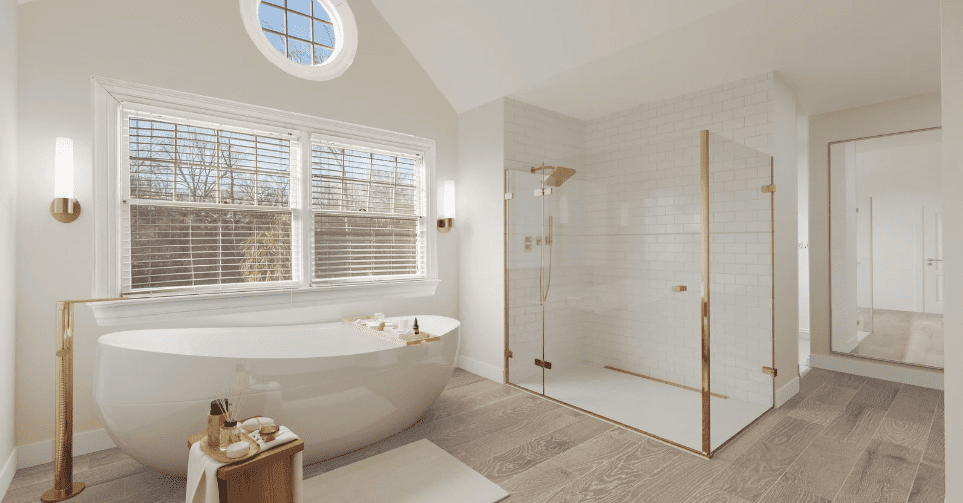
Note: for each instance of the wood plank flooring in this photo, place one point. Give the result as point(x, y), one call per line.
point(844, 439)
point(902, 336)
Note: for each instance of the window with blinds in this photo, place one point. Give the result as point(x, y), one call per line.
point(207, 208)
point(369, 212)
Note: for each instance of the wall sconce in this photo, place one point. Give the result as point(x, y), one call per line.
point(64, 207)
point(446, 206)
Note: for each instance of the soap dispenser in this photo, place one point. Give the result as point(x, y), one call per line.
point(415, 327)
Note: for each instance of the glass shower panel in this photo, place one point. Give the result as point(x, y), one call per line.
point(864, 261)
point(566, 262)
point(622, 323)
point(524, 241)
point(740, 286)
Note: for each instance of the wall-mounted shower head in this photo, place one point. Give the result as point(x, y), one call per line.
point(557, 176)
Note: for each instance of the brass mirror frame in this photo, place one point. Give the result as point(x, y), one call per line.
point(829, 229)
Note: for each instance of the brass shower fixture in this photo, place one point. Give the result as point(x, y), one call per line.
point(558, 175)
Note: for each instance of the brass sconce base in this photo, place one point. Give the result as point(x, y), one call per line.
point(60, 208)
point(53, 495)
point(445, 225)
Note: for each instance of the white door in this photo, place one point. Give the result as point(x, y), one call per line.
point(933, 259)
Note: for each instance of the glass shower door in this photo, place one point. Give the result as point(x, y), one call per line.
point(524, 244)
point(622, 324)
point(740, 287)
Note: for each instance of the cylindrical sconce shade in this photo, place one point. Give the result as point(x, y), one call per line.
point(446, 200)
point(446, 206)
point(64, 207)
point(64, 169)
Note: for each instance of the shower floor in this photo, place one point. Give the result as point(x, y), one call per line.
point(659, 409)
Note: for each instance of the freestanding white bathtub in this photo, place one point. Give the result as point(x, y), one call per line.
point(337, 388)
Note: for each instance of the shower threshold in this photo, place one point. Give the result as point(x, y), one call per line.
point(654, 408)
point(717, 395)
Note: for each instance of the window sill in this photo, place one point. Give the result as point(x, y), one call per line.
point(141, 310)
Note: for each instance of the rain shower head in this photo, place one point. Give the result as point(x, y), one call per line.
point(557, 176)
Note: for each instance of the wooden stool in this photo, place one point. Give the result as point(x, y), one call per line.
point(265, 478)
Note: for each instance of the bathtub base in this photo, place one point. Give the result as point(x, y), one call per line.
point(335, 404)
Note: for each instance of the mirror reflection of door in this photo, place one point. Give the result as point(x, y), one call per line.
point(887, 258)
point(933, 249)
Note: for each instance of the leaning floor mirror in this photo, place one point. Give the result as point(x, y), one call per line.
point(886, 248)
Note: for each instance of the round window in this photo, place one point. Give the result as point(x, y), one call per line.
point(312, 39)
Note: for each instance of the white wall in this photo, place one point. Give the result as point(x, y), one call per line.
point(802, 179)
point(198, 47)
point(785, 238)
point(902, 180)
point(480, 228)
point(8, 212)
point(916, 112)
point(952, 64)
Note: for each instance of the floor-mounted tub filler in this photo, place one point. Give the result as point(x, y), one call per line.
point(337, 388)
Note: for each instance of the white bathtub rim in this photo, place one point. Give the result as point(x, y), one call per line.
point(376, 345)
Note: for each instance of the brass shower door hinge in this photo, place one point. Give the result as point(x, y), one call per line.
point(508, 353)
point(769, 370)
point(545, 365)
point(769, 188)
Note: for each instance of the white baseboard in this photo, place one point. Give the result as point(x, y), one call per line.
point(41, 452)
point(7, 473)
point(485, 370)
point(867, 368)
point(786, 392)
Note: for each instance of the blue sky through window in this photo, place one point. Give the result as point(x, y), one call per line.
point(301, 30)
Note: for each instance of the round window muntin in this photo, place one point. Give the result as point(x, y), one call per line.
point(345, 46)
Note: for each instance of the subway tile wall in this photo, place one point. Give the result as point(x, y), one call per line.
point(627, 227)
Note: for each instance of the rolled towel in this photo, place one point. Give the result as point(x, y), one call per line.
point(255, 423)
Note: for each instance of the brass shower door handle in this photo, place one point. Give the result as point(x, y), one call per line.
point(679, 288)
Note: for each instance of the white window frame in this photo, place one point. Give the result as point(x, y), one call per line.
point(346, 41)
point(111, 98)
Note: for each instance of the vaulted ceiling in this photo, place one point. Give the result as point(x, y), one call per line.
point(592, 57)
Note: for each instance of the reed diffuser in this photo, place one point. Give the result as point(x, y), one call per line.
point(229, 404)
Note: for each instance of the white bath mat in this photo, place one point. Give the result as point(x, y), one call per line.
point(420, 472)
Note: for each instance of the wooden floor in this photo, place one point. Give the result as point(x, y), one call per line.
point(844, 438)
point(903, 336)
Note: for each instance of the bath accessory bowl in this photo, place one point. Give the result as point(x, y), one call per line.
point(339, 389)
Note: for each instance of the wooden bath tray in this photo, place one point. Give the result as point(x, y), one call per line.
point(387, 337)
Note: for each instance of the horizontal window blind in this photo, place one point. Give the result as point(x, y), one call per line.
point(208, 209)
point(368, 216)
point(181, 162)
point(187, 248)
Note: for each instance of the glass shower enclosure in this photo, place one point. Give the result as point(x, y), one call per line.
point(642, 293)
